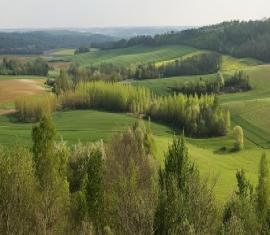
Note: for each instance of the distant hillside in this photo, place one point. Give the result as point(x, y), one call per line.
point(37, 42)
point(240, 39)
point(128, 32)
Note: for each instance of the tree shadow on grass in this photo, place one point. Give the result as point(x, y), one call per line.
point(14, 118)
point(225, 150)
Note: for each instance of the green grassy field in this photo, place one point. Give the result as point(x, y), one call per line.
point(91, 126)
point(132, 55)
point(94, 125)
point(230, 64)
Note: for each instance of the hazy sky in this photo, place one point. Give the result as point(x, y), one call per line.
point(91, 13)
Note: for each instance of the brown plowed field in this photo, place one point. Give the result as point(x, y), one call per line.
point(11, 89)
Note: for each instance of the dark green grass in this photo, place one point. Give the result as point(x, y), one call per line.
point(73, 126)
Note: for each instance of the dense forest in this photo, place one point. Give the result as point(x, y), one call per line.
point(119, 188)
point(38, 42)
point(237, 38)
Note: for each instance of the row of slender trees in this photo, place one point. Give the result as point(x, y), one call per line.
point(206, 63)
point(119, 188)
point(237, 82)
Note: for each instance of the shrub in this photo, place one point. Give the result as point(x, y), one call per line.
point(238, 137)
point(31, 109)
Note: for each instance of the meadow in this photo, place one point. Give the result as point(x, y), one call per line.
point(132, 55)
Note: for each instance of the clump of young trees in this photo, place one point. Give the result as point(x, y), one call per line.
point(198, 116)
point(107, 96)
point(115, 188)
point(11, 66)
point(31, 109)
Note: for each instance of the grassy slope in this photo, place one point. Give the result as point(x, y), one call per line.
point(91, 125)
point(132, 55)
point(251, 109)
point(94, 125)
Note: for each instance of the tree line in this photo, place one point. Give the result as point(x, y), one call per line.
point(237, 38)
point(38, 42)
point(12, 66)
point(205, 63)
point(118, 187)
point(237, 82)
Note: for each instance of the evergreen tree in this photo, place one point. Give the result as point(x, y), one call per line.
point(185, 205)
point(239, 215)
point(263, 194)
point(86, 177)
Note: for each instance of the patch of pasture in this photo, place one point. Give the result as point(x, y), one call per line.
point(132, 55)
